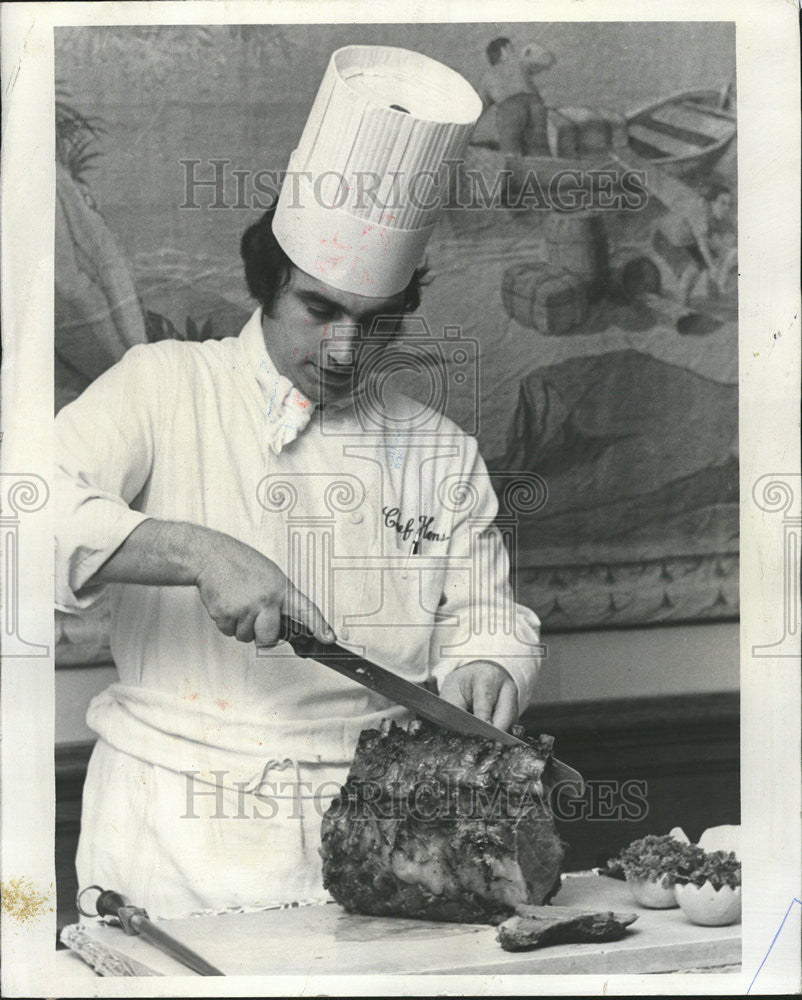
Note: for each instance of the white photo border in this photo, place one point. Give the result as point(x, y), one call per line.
point(767, 41)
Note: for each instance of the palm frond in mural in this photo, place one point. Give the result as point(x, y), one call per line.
point(76, 136)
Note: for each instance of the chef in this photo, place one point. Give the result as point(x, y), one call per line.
point(209, 487)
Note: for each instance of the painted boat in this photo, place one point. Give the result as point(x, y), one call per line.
point(685, 135)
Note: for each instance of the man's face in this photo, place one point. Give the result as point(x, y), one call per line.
point(316, 334)
point(508, 52)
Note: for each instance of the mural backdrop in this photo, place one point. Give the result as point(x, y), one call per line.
point(603, 361)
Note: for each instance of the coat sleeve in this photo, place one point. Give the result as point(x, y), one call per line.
point(105, 443)
point(478, 617)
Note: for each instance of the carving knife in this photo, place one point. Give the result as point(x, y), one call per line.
point(412, 696)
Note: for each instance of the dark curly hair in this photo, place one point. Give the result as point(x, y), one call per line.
point(268, 269)
point(495, 48)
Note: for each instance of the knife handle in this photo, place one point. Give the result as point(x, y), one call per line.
point(299, 637)
point(114, 904)
point(109, 902)
point(305, 644)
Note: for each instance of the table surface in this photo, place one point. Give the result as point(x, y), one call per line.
point(326, 940)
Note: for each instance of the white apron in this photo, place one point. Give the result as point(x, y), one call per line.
point(179, 845)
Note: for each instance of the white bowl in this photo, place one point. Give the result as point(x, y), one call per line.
point(702, 904)
point(722, 838)
point(652, 894)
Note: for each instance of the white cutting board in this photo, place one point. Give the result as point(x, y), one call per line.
point(326, 940)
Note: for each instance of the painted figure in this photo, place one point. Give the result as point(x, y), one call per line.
point(693, 242)
point(521, 114)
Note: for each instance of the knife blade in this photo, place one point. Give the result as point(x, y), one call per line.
point(412, 696)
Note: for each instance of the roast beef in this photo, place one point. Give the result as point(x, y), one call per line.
point(435, 825)
point(539, 926)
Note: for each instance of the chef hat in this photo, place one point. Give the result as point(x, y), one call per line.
point(364, 187)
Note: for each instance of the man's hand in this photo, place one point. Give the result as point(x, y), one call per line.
point(485, 689)
point(245, 594)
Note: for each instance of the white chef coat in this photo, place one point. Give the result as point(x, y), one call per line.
point(200, 725)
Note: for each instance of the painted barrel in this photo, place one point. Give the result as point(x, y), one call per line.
point(633, 274)
point(540, 298)
point(576, 242)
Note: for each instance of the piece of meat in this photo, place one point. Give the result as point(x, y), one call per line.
point(539, 926)
point(437, 825)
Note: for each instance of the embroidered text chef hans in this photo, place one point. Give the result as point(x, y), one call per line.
point(198, 484)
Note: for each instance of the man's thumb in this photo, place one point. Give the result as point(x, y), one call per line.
point(302, 610)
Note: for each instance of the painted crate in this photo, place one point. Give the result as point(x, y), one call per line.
point(541, 298)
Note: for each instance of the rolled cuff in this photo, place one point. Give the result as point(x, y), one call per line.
point(112, 523)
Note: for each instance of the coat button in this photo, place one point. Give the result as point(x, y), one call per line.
point(357, 517)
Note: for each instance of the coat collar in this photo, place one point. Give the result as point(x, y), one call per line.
point(287, 410)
